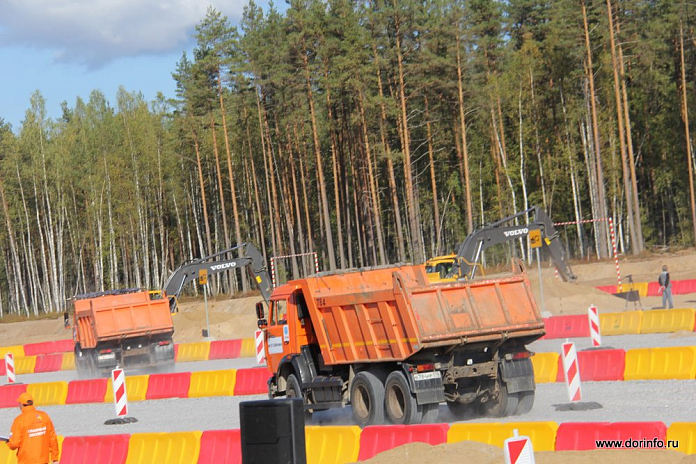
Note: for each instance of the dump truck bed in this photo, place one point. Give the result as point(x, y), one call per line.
point(390, 314)
point(114, 317)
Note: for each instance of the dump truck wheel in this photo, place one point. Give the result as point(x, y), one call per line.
point(505, 405)
point(367, 399)
point(430, 413)
point(525, 401)
point(400, 405)
point(293, 390)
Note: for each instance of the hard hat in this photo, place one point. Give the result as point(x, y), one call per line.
point(25, 399)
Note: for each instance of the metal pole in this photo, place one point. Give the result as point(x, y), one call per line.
point(205, 299)
point(541, 282)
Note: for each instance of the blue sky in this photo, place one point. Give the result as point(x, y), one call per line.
point(67, 48)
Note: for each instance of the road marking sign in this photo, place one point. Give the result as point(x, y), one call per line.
point(260, 353)
point(118, 379)
point(595, 333)
point(571, 371)
point(518, 450)
point(9, 368)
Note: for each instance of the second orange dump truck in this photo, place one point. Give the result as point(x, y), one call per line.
point(124, 328)
point(394, 346)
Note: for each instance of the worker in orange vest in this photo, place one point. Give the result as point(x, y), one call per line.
point(33, 435)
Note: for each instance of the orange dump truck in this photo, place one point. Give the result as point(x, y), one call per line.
point(124, 328)
point(394, 346)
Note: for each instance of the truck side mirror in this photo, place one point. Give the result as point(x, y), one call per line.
point(259, 310)
point(261, 323)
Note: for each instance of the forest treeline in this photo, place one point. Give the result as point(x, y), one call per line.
point(371, 132)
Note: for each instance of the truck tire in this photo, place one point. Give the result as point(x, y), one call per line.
point(399, 403)
point(430, 413)
point(525, 401)
point(505, 405)
point(293, 390)
point(367, 399)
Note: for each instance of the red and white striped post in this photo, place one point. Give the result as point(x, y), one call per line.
point(10, 368)
point(118, 380)
point(260, 352)
point(571, 371)
point(595, 333)
point(298, 255)
point(612, 234)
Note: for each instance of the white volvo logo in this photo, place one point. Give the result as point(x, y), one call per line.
point(217, 267)
point(513, 233)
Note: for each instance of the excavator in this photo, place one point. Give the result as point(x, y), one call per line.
point(252, 259)
point(464, 263)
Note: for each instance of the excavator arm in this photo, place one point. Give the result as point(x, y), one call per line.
point(499, 232)
point(252, 259)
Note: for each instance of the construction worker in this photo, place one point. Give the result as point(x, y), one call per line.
point(665, 288)
point(33, 435)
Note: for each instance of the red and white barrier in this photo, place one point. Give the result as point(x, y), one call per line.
point(595, 333)
point(571, 371)
point(10, 368)
point(518, 450)
point(118, 379)
point(260, 352)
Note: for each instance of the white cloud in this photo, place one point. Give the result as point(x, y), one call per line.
point(95, 32)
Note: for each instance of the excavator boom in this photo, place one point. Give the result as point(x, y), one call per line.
point(252, 259)
point(500, 232)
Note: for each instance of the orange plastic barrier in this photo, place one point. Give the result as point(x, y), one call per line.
point(48, 363)
point(60, 346)
point(102, 449)
point(2, 367)
point(86, 391)
point(678, 362)
point(25, 365)
point(68, 362)
point(169, 448)
point(582, 435)
point(683, 287)
point(685, 434)
point(10, 393)
point(64, 346)
point(542, 434)
point(48, 393)
point(212, 383)
point(7, 456)
point(332, 444)
point(598, 365)
point(378, 438)
point(252, 381)
point(545, 367)
point(219, 446)
point(168, 386)
point(225, 349)
point(571, 326)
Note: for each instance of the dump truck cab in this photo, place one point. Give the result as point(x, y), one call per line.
point(288, 326)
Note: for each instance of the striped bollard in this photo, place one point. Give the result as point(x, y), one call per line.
point(595, 333)
point(118, 380)
point(571, 371)
point(260, 353)
point(10, 368)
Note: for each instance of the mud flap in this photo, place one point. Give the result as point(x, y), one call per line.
point(518, 375)
point(427, 387)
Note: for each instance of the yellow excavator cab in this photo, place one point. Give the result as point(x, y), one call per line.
point(438, 267)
